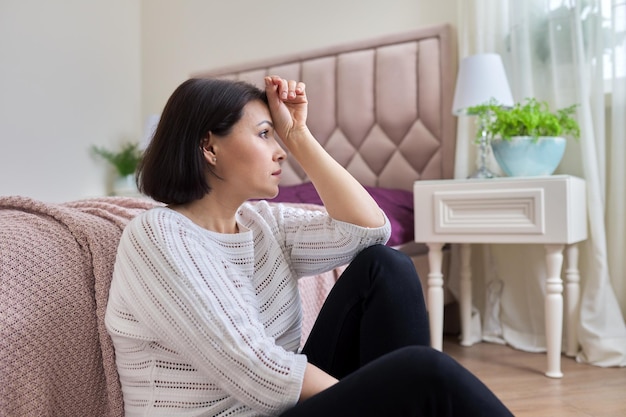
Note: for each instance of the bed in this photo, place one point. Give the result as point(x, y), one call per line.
point(382, 108)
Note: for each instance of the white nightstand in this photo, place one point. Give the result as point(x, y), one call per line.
point(547, 210)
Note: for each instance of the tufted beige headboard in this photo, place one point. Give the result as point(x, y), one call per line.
point(381, 107)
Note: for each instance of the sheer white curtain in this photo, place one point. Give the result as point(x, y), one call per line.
point(564, 52)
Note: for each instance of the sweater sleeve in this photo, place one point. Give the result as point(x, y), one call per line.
point(195, 302)
point(313, 241)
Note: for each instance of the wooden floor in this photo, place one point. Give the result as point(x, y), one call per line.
point(518, 379)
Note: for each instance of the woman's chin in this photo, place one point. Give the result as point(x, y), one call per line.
point(274, 195)
point(267, 195)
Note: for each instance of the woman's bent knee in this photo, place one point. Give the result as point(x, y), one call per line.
point(386, 256)
point(422, 362)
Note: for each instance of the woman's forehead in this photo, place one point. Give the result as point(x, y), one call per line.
point(256, 112)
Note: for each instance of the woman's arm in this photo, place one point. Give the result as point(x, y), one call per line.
point(315, 381)
point(343, 196)
point(312, 241)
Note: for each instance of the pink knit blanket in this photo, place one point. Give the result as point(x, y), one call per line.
point(56, 261)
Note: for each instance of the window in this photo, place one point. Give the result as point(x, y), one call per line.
point(610, 15)
point(614, 22)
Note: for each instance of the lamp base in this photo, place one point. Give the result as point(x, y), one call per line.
point(483, 148)
point(483, 172)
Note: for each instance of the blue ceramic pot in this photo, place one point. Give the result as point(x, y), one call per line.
point(524, 156)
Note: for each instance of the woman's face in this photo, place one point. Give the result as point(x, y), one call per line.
point(248, 159)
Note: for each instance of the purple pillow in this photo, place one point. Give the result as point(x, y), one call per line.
point(397, 205)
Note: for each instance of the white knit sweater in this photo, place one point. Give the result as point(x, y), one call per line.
point(208, 324)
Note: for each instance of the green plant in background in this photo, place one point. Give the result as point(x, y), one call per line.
point(125, 160)
point(530, 118)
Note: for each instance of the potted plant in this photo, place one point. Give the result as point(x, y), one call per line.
point(125, 162)
point(527, 139)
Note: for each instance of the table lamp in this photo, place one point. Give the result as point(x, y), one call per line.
point(149, 128)
point(481, 79)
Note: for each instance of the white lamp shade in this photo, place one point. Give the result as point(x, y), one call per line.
point(148, 130)
point(481, 78)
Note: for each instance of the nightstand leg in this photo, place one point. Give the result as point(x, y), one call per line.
point(554, 309)
point(435, 295)
point(465, 303)
point(572, 299)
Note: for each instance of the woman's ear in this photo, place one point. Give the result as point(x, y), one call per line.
point(208, 150)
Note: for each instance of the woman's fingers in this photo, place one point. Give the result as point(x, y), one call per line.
point(296, 90)
point(291, 89)
point(300, 88)
point(287, 90)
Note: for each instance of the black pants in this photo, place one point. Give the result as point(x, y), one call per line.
point(372, 334)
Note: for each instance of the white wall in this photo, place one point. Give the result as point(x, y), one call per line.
point(187, 36)
point(69, 78)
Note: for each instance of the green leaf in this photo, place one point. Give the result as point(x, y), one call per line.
point(125, 160)
point(529, 118)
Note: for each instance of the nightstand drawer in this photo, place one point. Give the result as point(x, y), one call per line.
point(502, 210)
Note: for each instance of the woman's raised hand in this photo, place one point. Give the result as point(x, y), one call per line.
point(337, 188)
point(288, 105)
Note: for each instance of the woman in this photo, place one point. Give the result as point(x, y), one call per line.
point(204, 309)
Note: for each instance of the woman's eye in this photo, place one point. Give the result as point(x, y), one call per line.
point(265, 134)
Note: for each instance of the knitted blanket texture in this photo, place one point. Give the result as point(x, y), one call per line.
point(56, 262)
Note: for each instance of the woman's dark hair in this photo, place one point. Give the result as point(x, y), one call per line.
point(173, 169)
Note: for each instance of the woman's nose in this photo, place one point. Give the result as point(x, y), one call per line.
point(280, 153)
